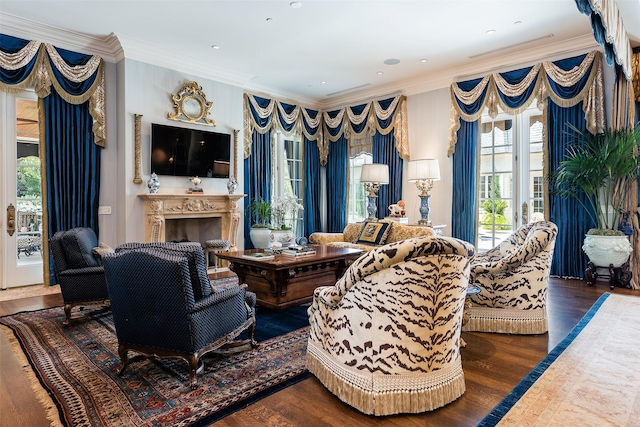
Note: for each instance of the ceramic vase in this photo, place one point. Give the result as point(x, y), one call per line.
point(153, 183)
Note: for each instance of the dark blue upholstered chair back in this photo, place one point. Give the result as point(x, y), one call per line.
point(80, 276)
point(156, 310)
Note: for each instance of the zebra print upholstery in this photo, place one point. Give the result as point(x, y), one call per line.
point(513, 281)
point(386, 337)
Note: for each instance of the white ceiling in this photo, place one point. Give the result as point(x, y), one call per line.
point(342, 43)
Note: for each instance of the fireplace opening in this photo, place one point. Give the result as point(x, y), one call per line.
point(193, 229)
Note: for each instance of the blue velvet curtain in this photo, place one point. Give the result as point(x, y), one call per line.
point(463, 221)
point(257, 177)
point(73, 125)
point(511, 94)
point(312, 218)
point(385, 152)
point(572, 219)
point(337, 170)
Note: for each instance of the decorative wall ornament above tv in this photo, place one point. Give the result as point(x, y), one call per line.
point(191, 105)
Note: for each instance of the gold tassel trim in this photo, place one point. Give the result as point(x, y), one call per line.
point(42, 395)
point(505, 321)
point(386, 394)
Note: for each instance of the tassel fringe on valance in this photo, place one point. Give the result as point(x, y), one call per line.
point(42, 77)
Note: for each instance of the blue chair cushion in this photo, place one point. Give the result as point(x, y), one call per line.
point(78, 244)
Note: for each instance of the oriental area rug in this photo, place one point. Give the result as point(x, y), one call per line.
point(590, 379)
point(73, 371)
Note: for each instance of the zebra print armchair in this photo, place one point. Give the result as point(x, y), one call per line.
point(386, 337)
point(513, 278)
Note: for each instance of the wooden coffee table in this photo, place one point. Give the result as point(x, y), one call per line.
point(284, 281)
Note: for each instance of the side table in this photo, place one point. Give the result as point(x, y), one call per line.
point(471, 290)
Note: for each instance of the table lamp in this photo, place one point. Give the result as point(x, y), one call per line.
point(373, 176)
point(423, 172)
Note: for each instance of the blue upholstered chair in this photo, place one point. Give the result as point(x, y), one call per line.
point(78, 272)
point(164, 306)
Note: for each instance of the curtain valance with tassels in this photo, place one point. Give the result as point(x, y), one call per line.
point(262, 115)
point(76, 77)
point(382, 116)
point(514, 91)
point(609, 31)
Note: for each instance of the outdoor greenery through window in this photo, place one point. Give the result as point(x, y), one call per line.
point(511, 182)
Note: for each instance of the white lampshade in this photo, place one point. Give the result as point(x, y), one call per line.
point(424, 169)
point(377, 173)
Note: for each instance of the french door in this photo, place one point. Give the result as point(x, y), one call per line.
point(20, 191)
point(511, 181)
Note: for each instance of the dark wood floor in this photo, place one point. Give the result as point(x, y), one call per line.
point(493, 364)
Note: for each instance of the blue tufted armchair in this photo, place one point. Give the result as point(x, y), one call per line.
point(78, 272)
point(164, 306)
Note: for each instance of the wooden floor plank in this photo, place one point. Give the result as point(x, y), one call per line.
point(493, 364)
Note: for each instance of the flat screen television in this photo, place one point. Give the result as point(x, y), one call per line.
point(189, 152)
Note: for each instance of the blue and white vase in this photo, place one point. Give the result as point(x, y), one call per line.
point(153, 184)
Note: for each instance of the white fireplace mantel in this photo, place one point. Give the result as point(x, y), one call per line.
point(158, 208)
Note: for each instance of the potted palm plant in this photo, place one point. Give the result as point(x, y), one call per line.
point(601, 166)
point(260, 212)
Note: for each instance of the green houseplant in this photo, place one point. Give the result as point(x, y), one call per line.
point(601, 166)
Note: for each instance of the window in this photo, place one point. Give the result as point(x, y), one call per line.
point(356, 198)
point(360, 153)
point(288, 178)
point(511, 180)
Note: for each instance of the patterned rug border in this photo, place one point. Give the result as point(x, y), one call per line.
point(497, 413)
point(54, 411)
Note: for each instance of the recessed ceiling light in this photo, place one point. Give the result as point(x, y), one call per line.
point(423, 60)
point(489, 32)
point(295, 4)
point(215, 46)
point(379, 73)
point(269, 19)
point(323, 82)
point(517, 22)
point(392, 61)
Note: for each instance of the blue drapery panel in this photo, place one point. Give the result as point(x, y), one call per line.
point(312, 219)
point(384, 152)
point(337, 170)
point(464, 201)
point(569, 83)
point(72, 167)
point(257, 177)
point(72, 129)
point(572, 219)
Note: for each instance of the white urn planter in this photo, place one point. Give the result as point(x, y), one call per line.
point(260, 237)
point(604, 251)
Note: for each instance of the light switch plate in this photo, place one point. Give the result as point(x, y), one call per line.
point(104, 210)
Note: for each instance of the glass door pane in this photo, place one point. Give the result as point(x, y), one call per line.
point(22, 188)
point(496, 204)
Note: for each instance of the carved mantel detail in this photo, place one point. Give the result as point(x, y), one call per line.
point(160, 207)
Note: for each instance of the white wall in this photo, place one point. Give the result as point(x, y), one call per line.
point(147, 90)
point(429, 139)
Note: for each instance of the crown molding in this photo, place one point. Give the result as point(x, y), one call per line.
point(161, 57)
point(107, 47)
point(504, 61)
point(114, 48)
